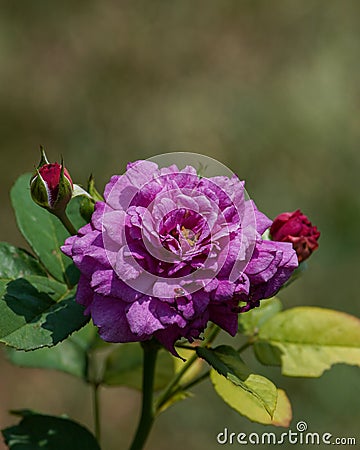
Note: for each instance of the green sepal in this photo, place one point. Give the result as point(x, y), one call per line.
point(87, 205)
point(43, 159)
point(95, 194)
point(38, 190)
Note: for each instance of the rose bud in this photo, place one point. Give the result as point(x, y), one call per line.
point(89, 199)
point(51, 187)
point(296, 228)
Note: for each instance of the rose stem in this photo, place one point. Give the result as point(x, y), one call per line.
point(169, 391)
point(147, 411)
point(96, 407)
point(206, 374)
point(67, 224)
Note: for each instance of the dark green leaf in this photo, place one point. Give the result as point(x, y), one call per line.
point(87, 337)
point(16, 263)
point(44, 232)
point(73, 211)
point(124, 367)
point(67, 356)
point(37, 312)
point(258, 390)
point(42, 432)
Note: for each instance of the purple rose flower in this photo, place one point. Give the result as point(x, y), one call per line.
point(168, 251)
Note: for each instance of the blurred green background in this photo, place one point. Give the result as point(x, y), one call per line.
point(269, 88)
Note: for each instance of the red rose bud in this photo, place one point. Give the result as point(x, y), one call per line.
point(51, 187)
point(296, 228)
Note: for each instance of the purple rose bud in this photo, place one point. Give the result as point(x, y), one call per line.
point(51, 187)
point(296, 228)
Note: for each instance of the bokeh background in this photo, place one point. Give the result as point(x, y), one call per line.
point(269, 88)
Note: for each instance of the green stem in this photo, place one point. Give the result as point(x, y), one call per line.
point(147, 411)
point(67, 224)
point(96, 407)
point(186, 347)
point(167, 394)
point(194, 382)
point(214, 330)
point(172, 387)
point(247, 344)
point(206, 374)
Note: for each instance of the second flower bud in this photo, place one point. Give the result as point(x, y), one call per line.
point(51, 186)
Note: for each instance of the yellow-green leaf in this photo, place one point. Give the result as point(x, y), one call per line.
point(251, 321)
point(248, 405)
point(306, 341)
point(238, 379)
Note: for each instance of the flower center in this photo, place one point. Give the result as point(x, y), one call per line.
point(181, 230)
point(189, 235)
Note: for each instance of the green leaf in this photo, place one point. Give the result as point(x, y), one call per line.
point(42, 432)
point(16, 262)
point(246, 405)
point(37, 312)
point(123, 367)
point(44, 232)
point(306, 341)
point(69, 356)
point(251, 321)
point(257, 392)
point(283, 412)
point(87, 337)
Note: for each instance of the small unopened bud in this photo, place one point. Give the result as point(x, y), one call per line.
point(51, 186)
point(296, 228)
point(87, 204)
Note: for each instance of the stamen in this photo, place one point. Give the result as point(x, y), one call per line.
point(190, 236)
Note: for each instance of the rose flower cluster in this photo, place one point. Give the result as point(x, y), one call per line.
point(168, 251)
